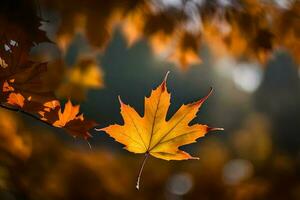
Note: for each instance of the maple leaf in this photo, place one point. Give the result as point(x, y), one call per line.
point(24, 78)
point(67, 118)
point(24, 88)
point(20, 34)
point(70, 112)
point(16, 99)
point(23, 82)
point(152, 134)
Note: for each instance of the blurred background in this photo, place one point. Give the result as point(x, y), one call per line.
point(247, 50)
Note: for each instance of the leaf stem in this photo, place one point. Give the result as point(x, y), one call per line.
point(90, 146)
point(141, 171)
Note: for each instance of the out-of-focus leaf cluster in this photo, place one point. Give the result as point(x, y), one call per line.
point(176, 30)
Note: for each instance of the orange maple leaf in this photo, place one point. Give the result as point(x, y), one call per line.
point(152, 134)
point(67, 118)
point(70, 113)
point(16, 99)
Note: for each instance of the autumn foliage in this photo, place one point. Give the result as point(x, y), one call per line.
point(48, 86)
point(24, 82)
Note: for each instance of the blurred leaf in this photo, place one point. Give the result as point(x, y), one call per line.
point(253, 140)
point(245, 29)
point(12, 136)
point(86, 74)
